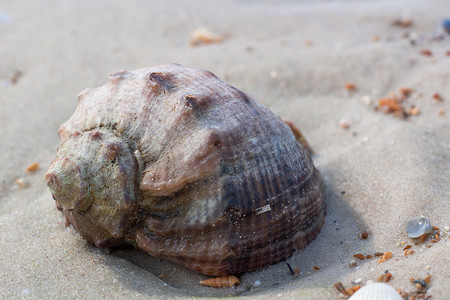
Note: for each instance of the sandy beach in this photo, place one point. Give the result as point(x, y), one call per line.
point(322, 64)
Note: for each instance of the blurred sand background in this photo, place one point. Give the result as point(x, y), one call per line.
point(293, 56)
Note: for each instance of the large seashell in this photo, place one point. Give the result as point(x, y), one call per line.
point(376, 291)
point(418, 226)
point(187, 168)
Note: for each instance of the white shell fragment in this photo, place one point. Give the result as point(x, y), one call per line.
point(263, 209)
point(376, 291)
point(418, 226)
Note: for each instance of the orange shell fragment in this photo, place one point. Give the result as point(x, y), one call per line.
point(220, 282)
point(33, 167)
point(386, 255)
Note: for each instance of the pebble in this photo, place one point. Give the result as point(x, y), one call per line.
point(366, 100)
point(418, 226)
point(257, 283)
point(428, 267)
point(353, 263)
point(344, 124)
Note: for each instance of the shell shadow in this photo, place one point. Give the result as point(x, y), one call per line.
point(330, 250)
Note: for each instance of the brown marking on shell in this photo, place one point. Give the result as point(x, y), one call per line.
point(162, 79)
point(221, 282)
point(187, 168)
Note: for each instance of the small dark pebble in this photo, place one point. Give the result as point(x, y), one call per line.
point(421, 282)
point(342, 192)
point(363, 235)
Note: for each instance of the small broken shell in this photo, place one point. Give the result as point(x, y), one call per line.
point(220, 282)
point(418, 226)
point(376, 291)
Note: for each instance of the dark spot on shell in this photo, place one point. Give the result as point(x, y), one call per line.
point(191, 102)
point(233, 215)
point(75, 134)
point(215, 138)
point(224, 169)
point(163, 79)
point(197, 105)
point(95, 135)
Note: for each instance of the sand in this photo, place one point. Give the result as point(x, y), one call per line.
point(294, 57)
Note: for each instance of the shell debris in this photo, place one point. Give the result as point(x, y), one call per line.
point(33, 167)
point(345, 124)
point(386, 255)
point(221, 282)
point(263, 209)
point(21, 183)
point(346, 292)
point(204, 36)
point(350, 87)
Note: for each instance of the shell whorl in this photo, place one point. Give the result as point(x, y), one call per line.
point(220, 183)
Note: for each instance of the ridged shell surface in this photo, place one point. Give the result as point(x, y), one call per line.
point(376, 291)
point(187, 168)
